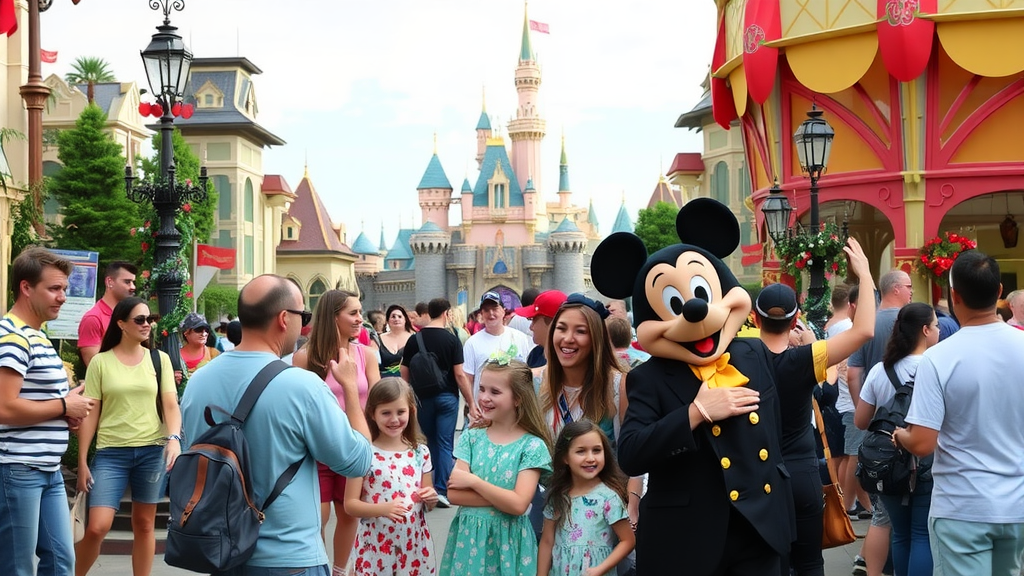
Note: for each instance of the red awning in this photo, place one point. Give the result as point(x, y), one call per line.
point(723, 109)
point(904, 38)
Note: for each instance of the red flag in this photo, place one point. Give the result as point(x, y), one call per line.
point(539, 27)
point(752, 254)
point(48, 56)
point(220, 258)
point(8, 17)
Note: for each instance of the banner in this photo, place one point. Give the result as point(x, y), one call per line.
point(81, 295)
point(208, 260)
point(540, 27)
point(8, 17)
point(47, 56)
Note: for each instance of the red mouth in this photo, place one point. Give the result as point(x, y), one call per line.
point(705, 346)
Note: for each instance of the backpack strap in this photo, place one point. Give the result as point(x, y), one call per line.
point(255, 388)
point(419, 342)
point(890, 371)
point(154, 355)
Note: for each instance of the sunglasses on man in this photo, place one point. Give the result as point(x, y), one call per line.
point(306, 316)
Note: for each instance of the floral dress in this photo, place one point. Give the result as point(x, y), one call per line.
point(587, 538)
point(484, 540)
point(382, 545)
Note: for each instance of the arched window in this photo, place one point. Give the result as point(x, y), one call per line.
point(720, 183)
point(316, 290)
point(223, 186)
point(249, 200)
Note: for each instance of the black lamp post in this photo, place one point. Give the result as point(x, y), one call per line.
point(813, 141)
point(167, 61)
point(776, 210)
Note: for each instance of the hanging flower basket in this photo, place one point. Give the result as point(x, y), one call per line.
point(804, 249)
point(937, 255)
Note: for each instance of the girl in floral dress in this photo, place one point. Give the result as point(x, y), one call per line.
point(496, 473)
point(586, 528)
point(393, 537)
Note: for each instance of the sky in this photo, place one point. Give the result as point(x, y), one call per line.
point(358, 89)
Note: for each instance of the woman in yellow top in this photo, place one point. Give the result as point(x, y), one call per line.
point(137, 426)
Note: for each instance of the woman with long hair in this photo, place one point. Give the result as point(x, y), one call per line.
point(337, 321)
point(137, 426)
point(393, 341)
point(916, 329)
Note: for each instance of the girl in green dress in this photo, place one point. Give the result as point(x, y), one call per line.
point(496, 473)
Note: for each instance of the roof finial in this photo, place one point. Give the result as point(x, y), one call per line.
point(623, 197)
point(435, 143)
point(362, 225)
point(483, 98)
point(305, 168)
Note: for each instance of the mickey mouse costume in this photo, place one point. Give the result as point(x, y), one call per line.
point(718, 499)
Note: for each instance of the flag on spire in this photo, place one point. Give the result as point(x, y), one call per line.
point(8, 17)
point(48, 56)
point(540, 27)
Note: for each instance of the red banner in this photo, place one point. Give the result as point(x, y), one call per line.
point(752, 254)
point(904, 38)
point(723, 109)
point(539, 27)
point(220, 258)
point(47, 56)
point(763, 23)
point(8, 17)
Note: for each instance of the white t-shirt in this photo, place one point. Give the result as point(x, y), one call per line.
point(969, 388)
point(844, 403)
point(522, 324)
point(878, 389)
point(480, 346)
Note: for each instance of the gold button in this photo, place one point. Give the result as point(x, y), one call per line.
point(754, 418)
point(726, 463)
point(716, 430)
point(734, 495)
point(767, 488)
point(763, 454)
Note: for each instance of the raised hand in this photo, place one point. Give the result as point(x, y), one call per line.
point(344, 368)
point(858, 261)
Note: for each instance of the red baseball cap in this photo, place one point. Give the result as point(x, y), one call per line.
point(546, 304)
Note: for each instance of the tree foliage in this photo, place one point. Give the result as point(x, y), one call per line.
point(218, 301)
point(90, 71)
point(186, 165)
point(656, 226)
point(97, 215)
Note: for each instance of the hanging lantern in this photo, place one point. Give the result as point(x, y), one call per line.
point(1008, 231)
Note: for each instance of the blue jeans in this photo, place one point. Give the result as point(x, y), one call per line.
point(323, 570)
point(437, 417)
point(34, 521)
point(113, 469)
point(911, 552)
point(962, 548)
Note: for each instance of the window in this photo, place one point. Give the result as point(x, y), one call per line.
point(250, 257)
point(316, 290)
point(218, 151)
point(720, 183)
point(499, 195)
point(223, 186)
point(224, 240)
point(249, 200)
point(290, 233)
point(208, 100)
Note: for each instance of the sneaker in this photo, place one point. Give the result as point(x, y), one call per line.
point(853, 512)
point(442, 501)
point(865, 514)
point(860, 568)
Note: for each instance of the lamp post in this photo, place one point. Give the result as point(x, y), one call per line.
point(813, 140)
point(776, 210)
point(167, 61)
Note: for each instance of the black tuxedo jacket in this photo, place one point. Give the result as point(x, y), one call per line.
point(694, 477)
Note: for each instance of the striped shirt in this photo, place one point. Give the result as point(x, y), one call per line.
point(29, 352)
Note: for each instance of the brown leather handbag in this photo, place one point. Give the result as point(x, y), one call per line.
point(837, 530)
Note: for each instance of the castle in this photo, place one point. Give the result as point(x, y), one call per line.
point(509, 239)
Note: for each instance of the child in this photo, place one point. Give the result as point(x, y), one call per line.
point(586, 511)
point(393, 537)
point(497, 470)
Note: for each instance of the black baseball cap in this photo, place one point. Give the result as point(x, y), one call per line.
point(776, 302)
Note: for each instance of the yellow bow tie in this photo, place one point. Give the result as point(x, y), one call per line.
point(721, 374)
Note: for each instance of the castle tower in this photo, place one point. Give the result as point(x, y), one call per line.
point(564, 194)
point(567, 244)
point(429, 246)
point(435, 193)
point(526, 130)
point(483, 132)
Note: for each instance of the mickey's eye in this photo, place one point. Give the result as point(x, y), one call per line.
point(700, 288)
point(673, 300)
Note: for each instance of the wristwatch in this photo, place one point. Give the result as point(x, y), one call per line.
point(174, 437)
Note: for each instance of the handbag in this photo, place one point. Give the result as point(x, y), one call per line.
point(837, 530)
point(79, 509)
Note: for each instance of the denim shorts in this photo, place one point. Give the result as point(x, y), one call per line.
point(854, 436)
point(113, 469)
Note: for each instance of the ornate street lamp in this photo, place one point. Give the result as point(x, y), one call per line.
point(813, 140)
point(776, 210)
point(167, 61)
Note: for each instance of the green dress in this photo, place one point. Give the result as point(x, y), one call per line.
point(484, 540)
point(587, 538)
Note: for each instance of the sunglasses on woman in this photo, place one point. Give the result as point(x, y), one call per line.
point(143, 319)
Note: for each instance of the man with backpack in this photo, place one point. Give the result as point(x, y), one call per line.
point(296, 420)
point(432, 364)
point(966, 407)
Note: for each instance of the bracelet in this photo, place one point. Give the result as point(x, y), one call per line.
point(64, 407)
point(174, 437)
point(635, 494)
point(703, 412)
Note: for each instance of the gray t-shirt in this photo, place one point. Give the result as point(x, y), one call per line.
point(844, 403)
point(969, 388)
point(872, 351)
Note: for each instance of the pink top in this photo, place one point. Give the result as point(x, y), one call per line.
point(93, 325)
point(356, 350)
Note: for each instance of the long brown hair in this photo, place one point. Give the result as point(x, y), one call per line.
point(595, 395)
point(528, 414)
point(324, 338)
point(561, 480)
point(388, 390)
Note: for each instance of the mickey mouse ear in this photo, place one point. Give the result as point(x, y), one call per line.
point(616, 263)
point(709, 224)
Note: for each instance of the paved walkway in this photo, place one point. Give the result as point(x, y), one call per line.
point(838, 561)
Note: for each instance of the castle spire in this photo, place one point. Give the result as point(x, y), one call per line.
point(526, 49)
point(563, 170)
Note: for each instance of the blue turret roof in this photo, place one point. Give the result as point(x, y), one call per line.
point(566, 226)
point(434, 176)
point(429, 226)
point(494, 155)
point(529, 185)
point(563, 171)
point(362, 245)
point(484, 123)
point(383, 245)
point(622, 221)
point(526, 50)
point(401, 252)
point(466, 187)
point(592, 215)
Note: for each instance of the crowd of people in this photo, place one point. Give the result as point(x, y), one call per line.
point(535, 472)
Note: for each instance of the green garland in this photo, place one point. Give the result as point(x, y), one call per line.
point(801, 250)
point(178, 266)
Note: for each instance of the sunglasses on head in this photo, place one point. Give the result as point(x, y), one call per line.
point(142, 319)
point(306, 316)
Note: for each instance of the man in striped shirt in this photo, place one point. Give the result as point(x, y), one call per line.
point(36, 409)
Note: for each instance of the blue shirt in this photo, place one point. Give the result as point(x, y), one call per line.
point(296, 415)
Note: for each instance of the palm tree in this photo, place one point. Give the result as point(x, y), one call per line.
point(89, 70)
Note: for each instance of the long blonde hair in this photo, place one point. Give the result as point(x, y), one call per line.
point(388, 390)
point(324, 338)
point(528, 414)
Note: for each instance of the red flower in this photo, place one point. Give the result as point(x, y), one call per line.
point(146, 225)
point(145, 274)
point(800, 264)
point(145, 246)
point(132, 232)
point(164, 333)
point(188, 294)
point(835, 266)
point(187, 207)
